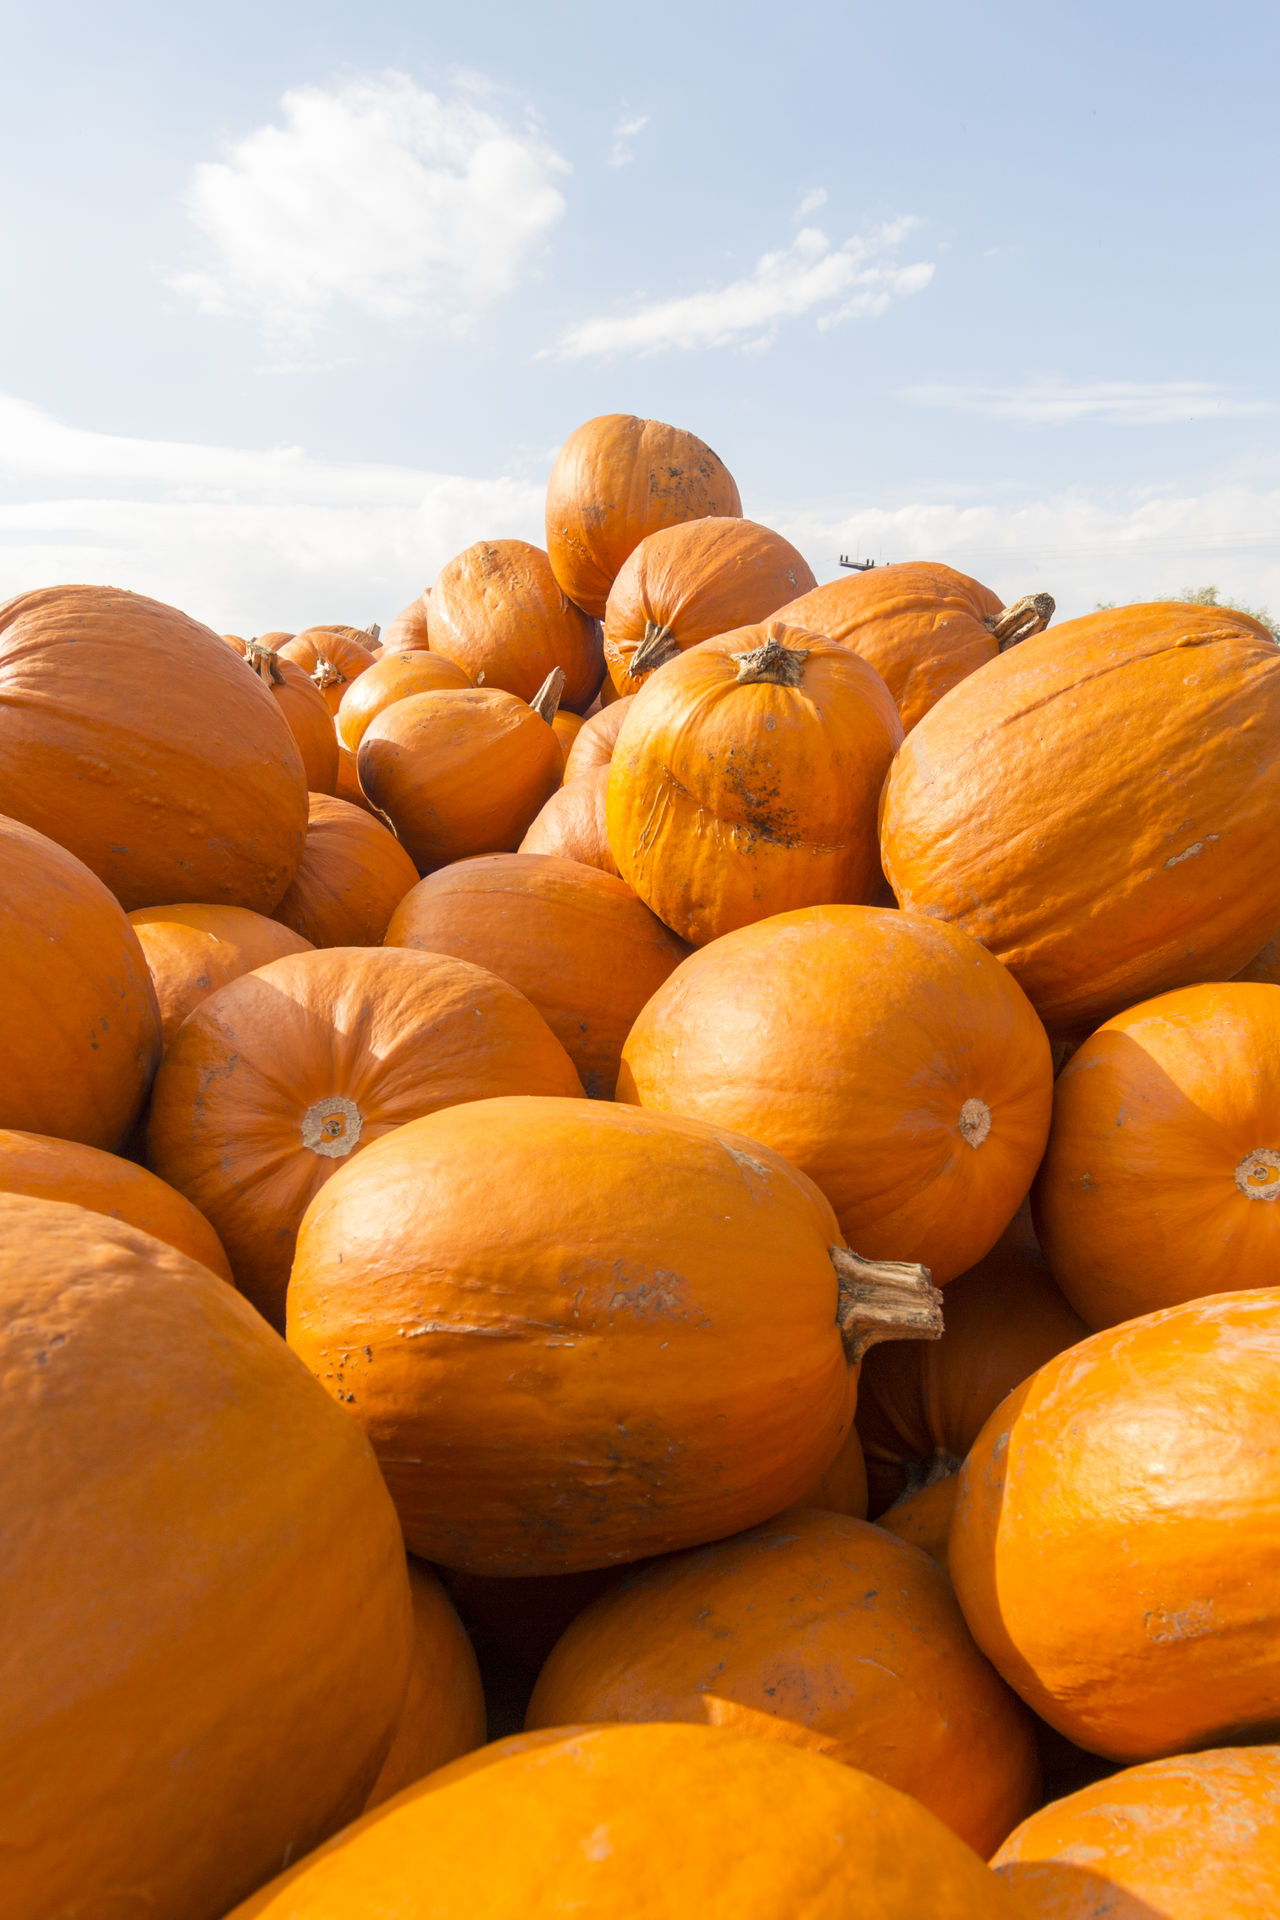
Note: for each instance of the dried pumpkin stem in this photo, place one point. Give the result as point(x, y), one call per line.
point(547, 699)
point(326, 674)
point(1021, 619)
point(265, 663)
point(920, 1474)
point(783, 666)
point(373, 630)
point(883, 1300)
point(658, 646)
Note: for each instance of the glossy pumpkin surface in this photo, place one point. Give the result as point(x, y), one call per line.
point(191, 951)
point(391, 679)
point(498, 611)
point(573, 823)
point(353, 875)
point(594, 746)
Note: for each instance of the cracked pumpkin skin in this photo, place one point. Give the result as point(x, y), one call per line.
point(1116, 1543)
point(1098, 807)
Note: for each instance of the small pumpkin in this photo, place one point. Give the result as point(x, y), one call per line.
point(566, 727)
point(573, 823)
point(353, 876)
point(388, 680)
point(594, 746)
point(443, 1712)
point(497, 611)
point(348, 786)
point(193, 950)
point(332, 656)
point(304, 710)
point(923, 1518)
point(407, 633)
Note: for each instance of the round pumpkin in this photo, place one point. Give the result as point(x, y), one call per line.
point(194, 950)
point(407, 633)
point(443, 1712)
point(79, 1024)
point(273, 1081)
point(689, 583)
point(889, 1057)
point(389, 680)
point(332, 657)
point(824, 1622)
point(1097, 807)
point(617, 479)
point(594, 746)
point(348, 786)
point(566, 727)
point(354, 874)
point(497, 612)
point(1193, 1838)
point(133, 737)
point(1115, 1544)
point(303, 707)
point(459, 773)
point(745, 781)
point(573, 824)
point(574, 940)
point(206, 1614)
point(1163, 1166)
point(923, 1518)
point(517, 1298)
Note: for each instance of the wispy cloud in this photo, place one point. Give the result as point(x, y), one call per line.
point(810, 201)
point(1057, 403)
point(853, 281)
point(621, 153)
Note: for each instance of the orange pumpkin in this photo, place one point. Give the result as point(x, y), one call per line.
point(389, 680)
point(133, 737)
point(303, 707)
point(515, 1622)
point(497, 611)
point(1265, 964)
point(1149, 1451)
point(275, 1080)
point(354, 874)
point(574, 940)
point(889, 1057)
point(407, 633)
point(79, 1024)
point(332, 656)
point(566, 727)
point(192, 951)
point(594, 746)
point(617, 479)
point(572, 823)
point(348, 786)
point(459, 773)
point(206, 1614)
point(538, 1390)
point(443, 1713)
point(1075, 808)
point(923, 1518)
point(827, 1623)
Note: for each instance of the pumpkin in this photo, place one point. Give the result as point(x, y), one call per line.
point(497, 612)
point(516, 1299)
point(594, 746)
point(1149, 1452)
point(566, 727)
point(825, 1622)
point(1265, 964)
point(332, 656)
point(49, 1169)
point(1162, 1172)
point(388, 680)
point(745, 781)
point(1193, 1838)
point(348, 786)
point(407, 633)
point(273, 1081)
point(193, 950)
point(923, 627)
point(618, 1822)
point(617, 479)
point(689, 583)
point(889, 1057)
point(516, 1622)
point(304, 710)
point(572, 823)
point(353, 875)
point(443, 1713)
point(459, 773)
point(206, 1613)
point(574, 940)
point(843, 1487)
point(1005, 1318)
point(1097, 807)
point(79, 1024)
point(133, 737)
point(923, 1518)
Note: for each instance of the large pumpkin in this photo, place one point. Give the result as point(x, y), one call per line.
point(890, 1057)
point(617, 479)
point(564, 1326)
point(193, 950)
point(207, 1623)
point(353, 875)
point(576, 941)
point(1097, 807)
point(824, 1622)
point(332, 656)
point(273, 1081)
point(691, 582)
point(388, 680)
point(594, 746)
point(573, 823)
point(745, 781)
point(1116, 1546)
point(407, 633)
point(498, 612)
point(79, 1024)
point(303, 706)
point(133, 737)
point(443, 1712)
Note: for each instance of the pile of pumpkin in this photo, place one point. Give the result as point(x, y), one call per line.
point(528, 1089)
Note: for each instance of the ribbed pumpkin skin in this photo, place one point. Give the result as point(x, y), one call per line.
point(461, 773)
point(498, 612)
point(697, 580)
point(920, 625)
point(825, 1622)
point(732, 800)
point(594, 746)
point(388, 680)
point(1149, 1452)
point(206, 1614)
point(574, 940)
point(332, 657)
point(1194, 1838)
point(277, 1078)
point(306, 716)
point(79, 1024)
point(193, 950)
point(1162, 1171)
point(617, 479)
point(132, 736)
point(1096, 806)
point(443, 1713)
point(859, 1042)
point(573, 823)
point(353, 876)
point(407, 633)
point(516, 1299)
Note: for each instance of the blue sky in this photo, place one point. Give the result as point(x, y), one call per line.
point(299, 300)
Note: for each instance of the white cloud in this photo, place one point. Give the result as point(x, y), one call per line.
point(620, 153)
point(402, 203)
point(810, 201)
point(853, 281)
point(1056, 403)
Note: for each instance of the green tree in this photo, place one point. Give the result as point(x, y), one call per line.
point(1208, 597)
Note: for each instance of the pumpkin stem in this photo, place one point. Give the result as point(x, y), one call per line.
point(373, 630)
point(1021, 619)
point(264, 662)
point(326, 674)
point(920, 1474)
point(883, 1300)
point(547, 698)
point(658, 646)
point(783, 666)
